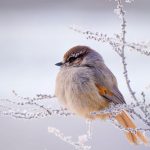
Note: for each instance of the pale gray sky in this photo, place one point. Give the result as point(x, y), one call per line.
point(34, 34)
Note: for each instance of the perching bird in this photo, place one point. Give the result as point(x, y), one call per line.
point(84, 85)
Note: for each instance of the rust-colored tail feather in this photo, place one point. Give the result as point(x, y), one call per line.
point(126, 122)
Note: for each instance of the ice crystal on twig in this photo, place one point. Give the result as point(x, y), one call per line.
point(129, 1)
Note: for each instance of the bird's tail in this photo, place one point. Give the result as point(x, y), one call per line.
point(126, 121)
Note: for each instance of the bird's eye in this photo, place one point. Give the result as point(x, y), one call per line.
point(71, 59)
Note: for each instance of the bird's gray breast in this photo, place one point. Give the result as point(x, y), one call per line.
point(76, 89)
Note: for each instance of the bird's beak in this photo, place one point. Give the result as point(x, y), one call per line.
point(59, 64)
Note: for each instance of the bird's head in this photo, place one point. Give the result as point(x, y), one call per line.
point(80, 56)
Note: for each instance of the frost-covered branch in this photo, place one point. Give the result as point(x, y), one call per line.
point(114, 41)
point(132, 108)
point(82, 139)
point(142, 47)
point(30, 108)
point(121, 13)
point(100, 37)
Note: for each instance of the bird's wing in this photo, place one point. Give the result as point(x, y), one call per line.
point(113, 96)
point(106, 84)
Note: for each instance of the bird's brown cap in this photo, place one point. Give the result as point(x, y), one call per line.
point(76, 51)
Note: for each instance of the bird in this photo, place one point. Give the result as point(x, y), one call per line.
point(84, 84)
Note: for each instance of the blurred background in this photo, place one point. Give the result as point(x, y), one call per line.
point(34, 35)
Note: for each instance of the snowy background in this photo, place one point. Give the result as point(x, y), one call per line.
point(34, 34)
